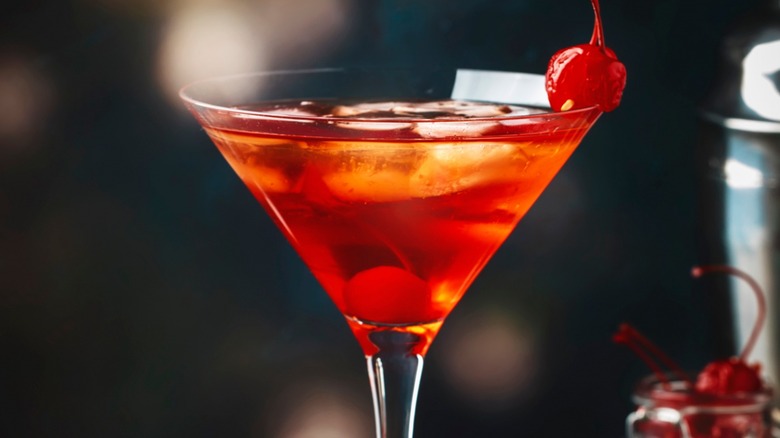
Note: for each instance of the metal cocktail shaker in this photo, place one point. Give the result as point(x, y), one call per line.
point(739, 178)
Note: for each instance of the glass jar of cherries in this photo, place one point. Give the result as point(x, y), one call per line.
point(674, 409)
point(727, 399)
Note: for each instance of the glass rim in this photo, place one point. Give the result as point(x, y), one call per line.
point(185, 95)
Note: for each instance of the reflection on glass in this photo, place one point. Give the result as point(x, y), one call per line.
point(747, 211)
point(761, 67)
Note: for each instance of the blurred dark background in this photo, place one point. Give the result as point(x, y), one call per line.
point(144, 292)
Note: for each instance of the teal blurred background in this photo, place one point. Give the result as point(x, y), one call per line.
point(144, 292)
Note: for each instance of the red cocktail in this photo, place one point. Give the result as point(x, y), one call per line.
point(396, 194)
point(396, 187)
point(397, 207)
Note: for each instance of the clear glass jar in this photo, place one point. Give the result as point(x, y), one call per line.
point(673, 410)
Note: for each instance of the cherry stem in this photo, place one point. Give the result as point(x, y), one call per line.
point(631, 337)
point(659, 373)
point(698, 271)
point(597, 38)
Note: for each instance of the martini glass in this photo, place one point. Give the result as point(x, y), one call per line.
point(395, 187)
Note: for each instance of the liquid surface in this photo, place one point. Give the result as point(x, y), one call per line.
point(396, 230)
point(425, 110)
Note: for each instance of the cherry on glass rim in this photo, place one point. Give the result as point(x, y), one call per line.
point(586, 74)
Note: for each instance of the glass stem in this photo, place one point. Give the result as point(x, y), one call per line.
point(395, 373)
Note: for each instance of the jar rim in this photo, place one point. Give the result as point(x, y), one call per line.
point(678, 393)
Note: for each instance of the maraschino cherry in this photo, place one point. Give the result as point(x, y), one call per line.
point(719, 378)
point(388, 294)
point(586, 74)
point(734, 375)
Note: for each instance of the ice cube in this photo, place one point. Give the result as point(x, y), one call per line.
point(454, 109)
point(287, 112)
point(283, 111)
point(452, 129)
point(373, 126)
point(369, 185)
point(452, 168)
point(367, 109)
point(265, 178)
point(447, 109)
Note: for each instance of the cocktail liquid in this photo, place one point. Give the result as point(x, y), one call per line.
point(397, 209)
